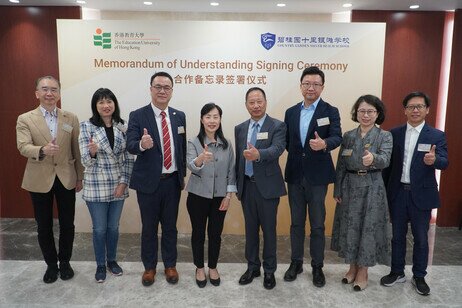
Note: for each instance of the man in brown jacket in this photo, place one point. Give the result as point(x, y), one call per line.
point(48, 137)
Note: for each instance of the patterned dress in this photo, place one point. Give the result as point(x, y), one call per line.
point(361, 231)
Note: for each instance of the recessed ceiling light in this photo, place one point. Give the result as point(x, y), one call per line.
point(14, 1)
point(147, 3)
point(81, 1)
point(281, 4)
point(214, 3)
point(414, 6)
point(347, 5)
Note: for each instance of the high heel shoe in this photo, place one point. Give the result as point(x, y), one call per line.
point(350, 276)
point(360, 285)
point(348, 279)
point(201, 283)
point(214, 282)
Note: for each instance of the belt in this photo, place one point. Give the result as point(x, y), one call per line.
point(363, 172)
point(406, 186)
point(164, 176)
point(250, 178)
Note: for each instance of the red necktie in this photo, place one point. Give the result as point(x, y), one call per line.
point(166, 141)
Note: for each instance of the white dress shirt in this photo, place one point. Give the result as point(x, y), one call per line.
point(412, 134)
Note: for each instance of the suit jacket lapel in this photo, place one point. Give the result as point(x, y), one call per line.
point(421, 139)
point(316, 115)
point(39, 121)
point(267, 124)
point(154, 131)
point(173, 125)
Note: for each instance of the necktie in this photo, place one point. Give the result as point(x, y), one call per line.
point(166, 142)
point(253, 139)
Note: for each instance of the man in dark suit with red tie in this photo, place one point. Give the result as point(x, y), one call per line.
point(157, 135)
point(418, 150)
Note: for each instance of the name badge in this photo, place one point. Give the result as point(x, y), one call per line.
point(424, 147)
point(262, 136)
point(347, 152)
point(323, 121)
point(180, 129)
point(67, 128)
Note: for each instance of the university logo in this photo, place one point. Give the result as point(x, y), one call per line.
point(267, 40)
point(102, 39)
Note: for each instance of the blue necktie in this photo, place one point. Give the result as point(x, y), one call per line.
point(253, 140)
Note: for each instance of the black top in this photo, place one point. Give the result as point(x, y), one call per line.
point(110, 135)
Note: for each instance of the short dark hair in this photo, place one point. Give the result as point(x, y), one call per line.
point(219, 132)
point(254, 89)
point(417, 94)
point(104, 93)
point(313, 70)
point(162, 74)
point(373, 101)
point(47, 77)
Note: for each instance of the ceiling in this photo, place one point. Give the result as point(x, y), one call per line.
point(250, 6)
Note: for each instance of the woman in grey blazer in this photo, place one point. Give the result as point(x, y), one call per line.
point(210, 157)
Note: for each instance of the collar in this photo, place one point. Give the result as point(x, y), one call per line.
point(157, 111)
point(208, 141)
point(53, 113)
point(260, 122)
point(312, 106)
point(417, 128)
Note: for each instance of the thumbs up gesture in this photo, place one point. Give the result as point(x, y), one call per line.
point(206, 156)
point(368, 158)
point(251, 153)
point(92, 147)
point(51, 148)
point(317, 143)
point(430, 157)
point(146, 140)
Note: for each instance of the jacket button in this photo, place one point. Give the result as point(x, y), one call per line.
point(56, 165)
point(303, 154)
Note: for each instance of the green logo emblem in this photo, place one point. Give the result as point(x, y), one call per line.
point(102, 39)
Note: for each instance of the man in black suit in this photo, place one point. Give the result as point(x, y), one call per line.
point(260, 141)
point(313, 130)
point(157, 135)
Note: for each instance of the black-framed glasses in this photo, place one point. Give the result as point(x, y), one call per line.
point(160, 88)
point(418, 107)
point(308, 85)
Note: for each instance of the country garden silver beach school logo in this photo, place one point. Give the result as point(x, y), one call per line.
point(268, 40)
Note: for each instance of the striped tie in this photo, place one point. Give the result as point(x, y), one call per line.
point(166, 142)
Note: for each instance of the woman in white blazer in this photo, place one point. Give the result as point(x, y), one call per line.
point(210, 157)
point(108, 166)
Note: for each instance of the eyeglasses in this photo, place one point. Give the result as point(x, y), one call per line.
point(418, 107)
point(160, 88)
point(46, 90)
point(307, 85)
point(369, 112)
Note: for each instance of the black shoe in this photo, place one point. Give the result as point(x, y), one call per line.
point(51, 274)
point(248, 276)
point(420, 285)
point(295, 268)
point(215, 282)
point(201, 283)
point(269, 281)
point(392, 278)
point(318, 277)
point(65, 271)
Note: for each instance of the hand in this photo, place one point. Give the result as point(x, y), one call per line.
point(368, 158)
point(78, 186)
point(119, 190)
point(251, 153)
point(430, 157)
point(206, 156)
point(92, 147)
point(224, 204)
point(317, 143)
point(338, 200)
point(51, 148)
point(146, 140)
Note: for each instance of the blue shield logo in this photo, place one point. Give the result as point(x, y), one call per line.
point(268, 40)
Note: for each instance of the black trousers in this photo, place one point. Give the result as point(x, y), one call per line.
point(43, 210)
point(200, 209)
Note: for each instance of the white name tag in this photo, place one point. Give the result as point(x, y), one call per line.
point(323, 121)
point(347, 152)
point(180, 129)
point(67, 128)
point(262, 136)
point(424, 147)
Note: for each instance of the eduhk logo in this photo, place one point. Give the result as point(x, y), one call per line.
point(102, 39)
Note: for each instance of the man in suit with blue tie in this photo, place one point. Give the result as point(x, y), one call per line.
point(313, 130)
point(418, 150)
point(259, 142)
point(157, 135)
